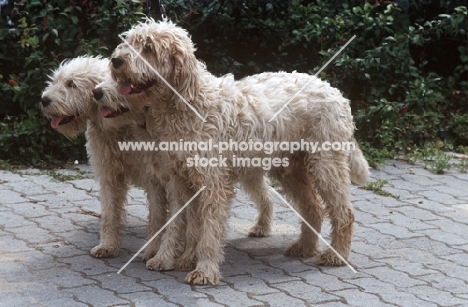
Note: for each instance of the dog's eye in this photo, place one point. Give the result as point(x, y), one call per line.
point(70, 83)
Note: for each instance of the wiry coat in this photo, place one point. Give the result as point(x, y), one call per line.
point(68, 100)
point(241, 111)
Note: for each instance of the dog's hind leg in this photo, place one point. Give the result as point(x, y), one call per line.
point(301, 191)
point(255, 184)
point(330, 173)
point(113, 193)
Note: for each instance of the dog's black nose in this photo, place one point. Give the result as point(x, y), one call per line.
point(45, 101)
point(98, 93)
point(117, 62)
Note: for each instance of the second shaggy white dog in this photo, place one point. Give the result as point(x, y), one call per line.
point(69, 102)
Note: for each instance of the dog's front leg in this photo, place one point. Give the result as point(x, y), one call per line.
point(173, 239)
point(113, 196)
point(157, 216)
point(214, 210)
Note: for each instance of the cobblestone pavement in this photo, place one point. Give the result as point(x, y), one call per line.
point(410, 251)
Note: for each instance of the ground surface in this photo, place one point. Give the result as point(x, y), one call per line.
point(411, 251)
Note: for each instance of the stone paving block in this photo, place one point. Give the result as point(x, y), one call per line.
point(90, 266)
point(457, 259)
point(289, 264)
point(206, 302)
point(12, 197)
point(326, 282)
point(174, 291)
point(119, 283)
point(54, 223)
point(407, 266)
point(12, 245)
point(402, 184)
point(27, 188)
point(227, 296)
point(16, 299)
point(443, 198)
point(398, 232)
point(48, 293)
point(65, 302)
point(451, 270)
point(388, 293)
point(429, 245)
point(30, 209)
point(35, 259)
point(66, 278)
point(64, 250)
point(448, 238)
point(95, 296)
point(396, 278)
point(424, 180)
point(360, 298)
point(248, 284)
point(445, 283)
point(441, 298)
point(149, 299)
point(10, 220)
point(375, 208)
point(413, 224)
point(11, 177)
point(429, 205)
point(279, 300)
point(16, 276)
point(34, 234)
point(311, 294)
point(419, 213)
point(87, 185)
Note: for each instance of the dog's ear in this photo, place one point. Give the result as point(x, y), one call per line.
point(186, 74)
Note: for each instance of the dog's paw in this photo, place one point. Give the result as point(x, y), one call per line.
point(160, 264)
point(149, 253)
point(185, 264)
point(259, 231)
point(329, 258)
point(298, 249)
point(102, 251)
point(198, 277)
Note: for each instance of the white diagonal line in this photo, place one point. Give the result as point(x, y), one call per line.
point(162, 228)
point(161, 77)
point(305, 85)
point(315, 231)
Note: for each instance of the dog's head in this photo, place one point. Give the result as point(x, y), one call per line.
point(152, 54)
point(114, 110)
point(67, 99)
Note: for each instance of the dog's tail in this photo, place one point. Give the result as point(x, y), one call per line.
point(358, 166)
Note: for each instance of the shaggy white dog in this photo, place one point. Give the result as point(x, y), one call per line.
point(253, 181)
point(69, 102)
point(241, 111)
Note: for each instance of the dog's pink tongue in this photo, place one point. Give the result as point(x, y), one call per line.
point(105, 111)
point(56, 121)
point(125, 88)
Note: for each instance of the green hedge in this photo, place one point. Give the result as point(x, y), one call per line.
point(405, 73)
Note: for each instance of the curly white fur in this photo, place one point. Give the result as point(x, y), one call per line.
point(240, 111)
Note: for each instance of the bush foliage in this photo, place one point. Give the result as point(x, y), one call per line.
point(405, 72)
